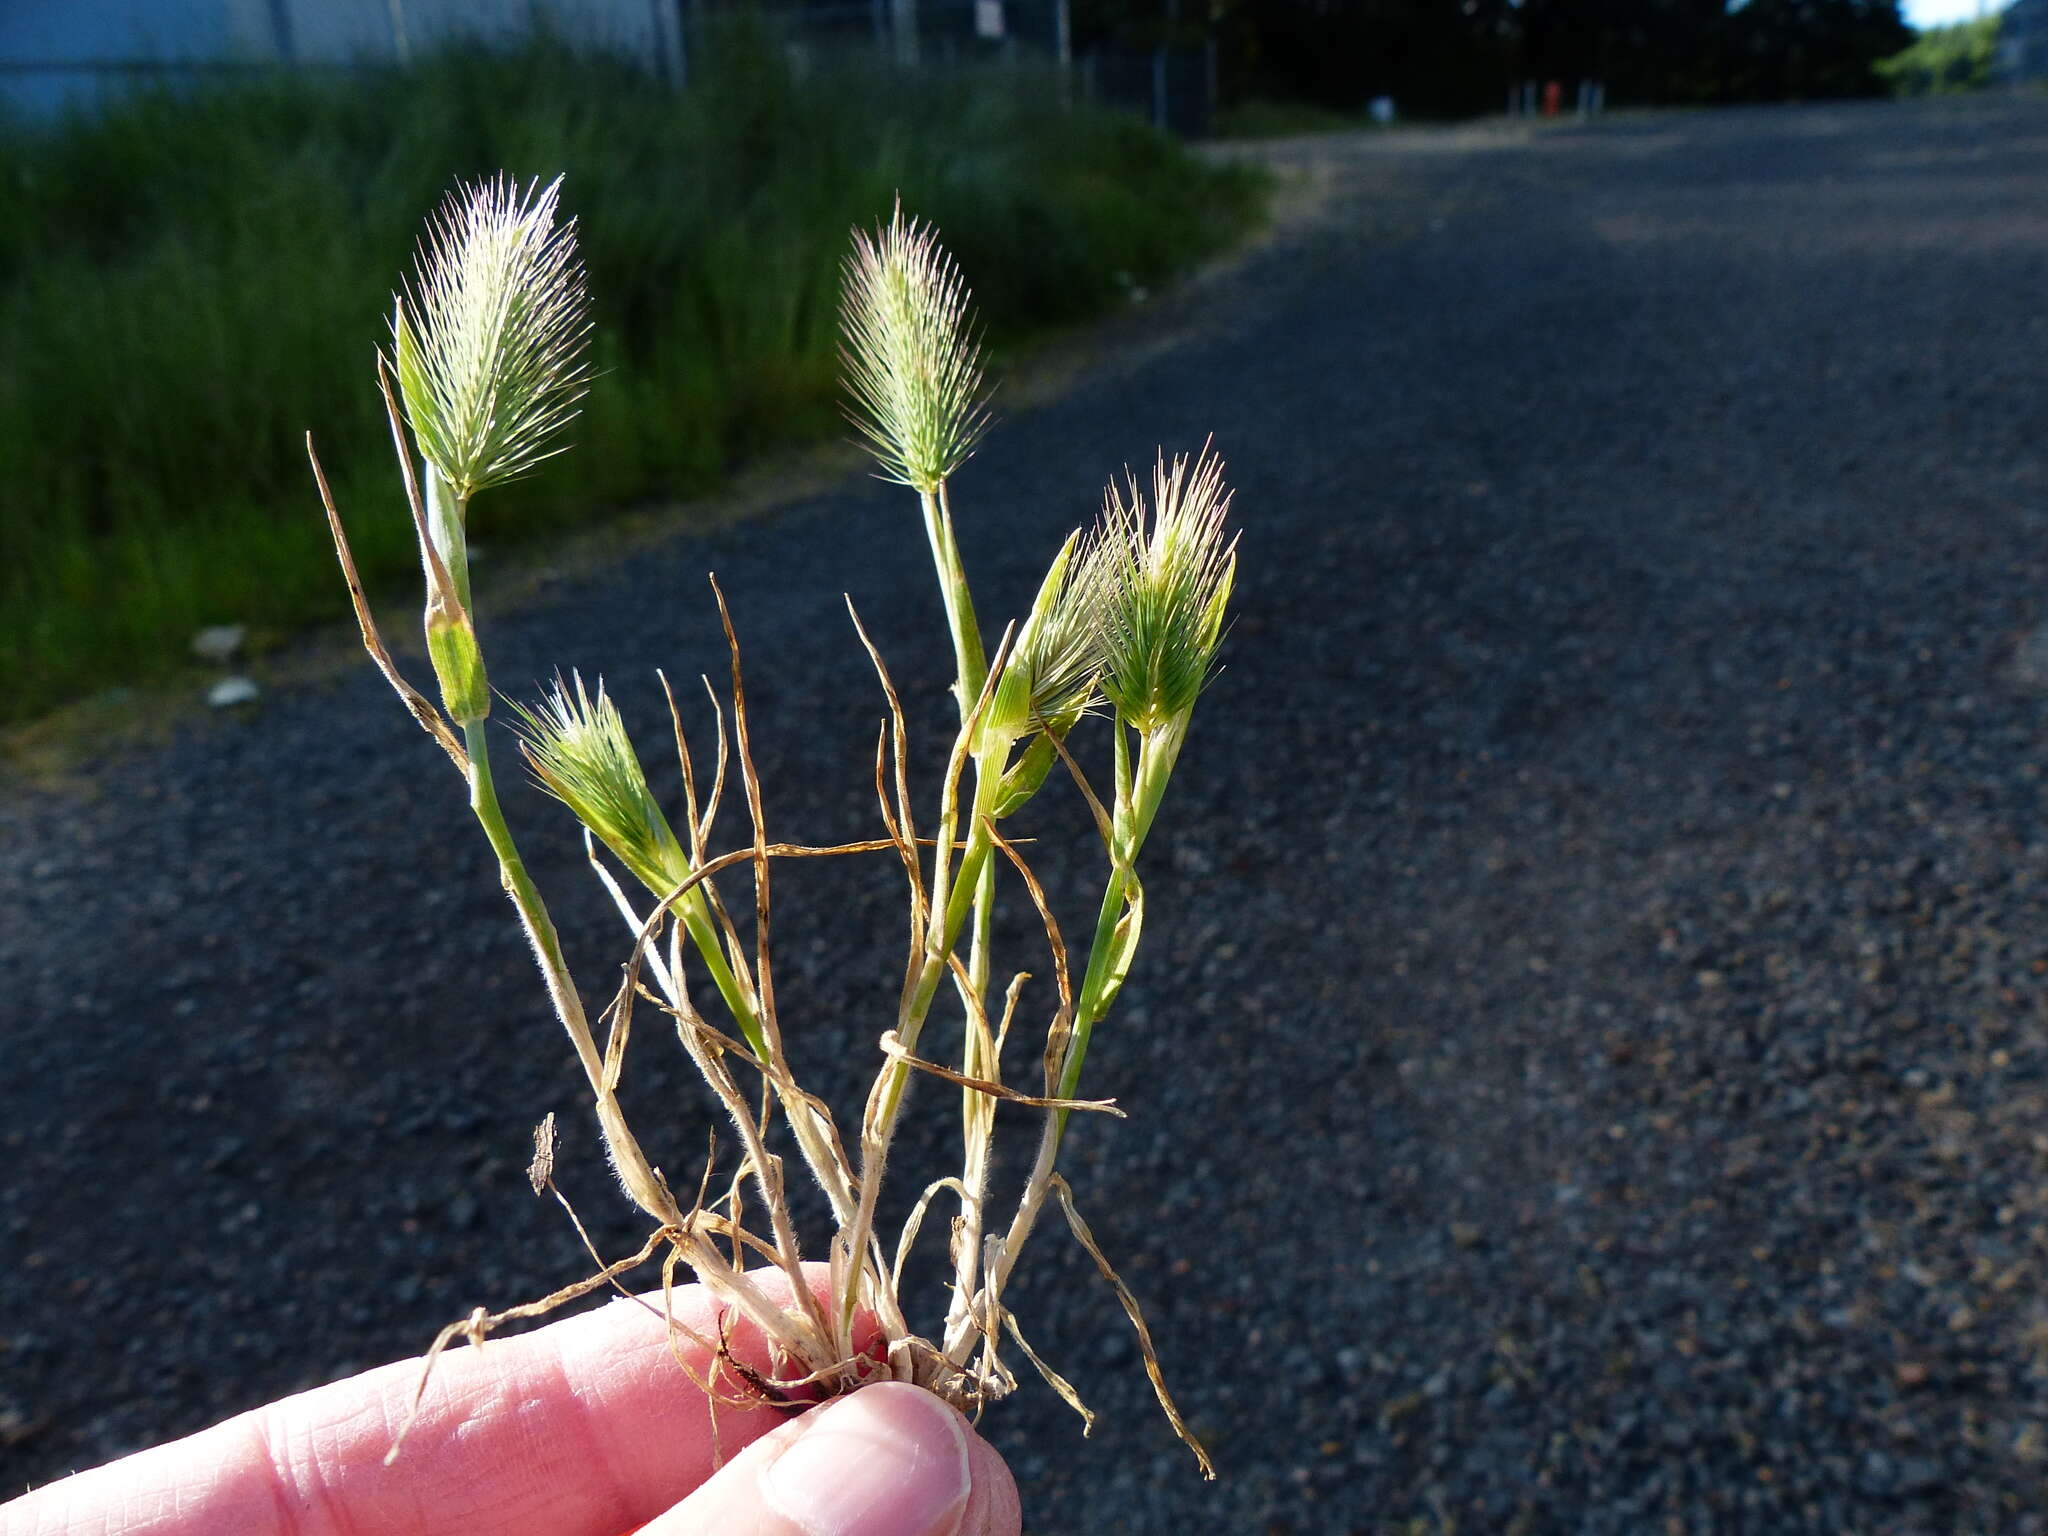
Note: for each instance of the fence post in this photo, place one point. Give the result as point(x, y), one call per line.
point(401, 43)
point(671, 19)
point(1159, 102)
point(281, 40)
point(904, 17)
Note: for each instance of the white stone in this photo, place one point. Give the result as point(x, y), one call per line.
point(220, 643)
point(230, 691)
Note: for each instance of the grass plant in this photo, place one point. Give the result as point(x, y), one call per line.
point(185, 278)
point(488, 360)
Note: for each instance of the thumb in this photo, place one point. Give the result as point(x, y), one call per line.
point(888, 1460)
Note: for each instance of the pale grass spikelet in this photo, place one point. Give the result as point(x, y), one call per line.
point(489, 339)
point(1161, 578)
point(578, 750)
point(1050, 680)
point(912, 360)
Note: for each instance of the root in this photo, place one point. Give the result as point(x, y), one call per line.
point(1137, 1317)
point(481, 1322)
point(1053, 1378)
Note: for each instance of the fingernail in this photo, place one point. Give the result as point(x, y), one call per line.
point(889, 1460)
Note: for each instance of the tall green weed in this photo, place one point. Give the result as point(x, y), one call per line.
point(186, 279)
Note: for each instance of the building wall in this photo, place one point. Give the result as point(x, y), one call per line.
point(340, 31)
point(60, 53)
point(73, 39)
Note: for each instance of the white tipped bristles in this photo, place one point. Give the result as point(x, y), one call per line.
point(1050, 681)
point(490, 336)
point(1161, 580)
point(912, 362)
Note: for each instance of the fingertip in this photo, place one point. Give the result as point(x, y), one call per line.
point(888, 1460)
point(993, 1507)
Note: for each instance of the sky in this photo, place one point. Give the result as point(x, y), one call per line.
point(1940, 13)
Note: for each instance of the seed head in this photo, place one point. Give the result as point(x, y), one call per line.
point(1160, 579)
point(1049, 681)
point(913, 364)
point(580, 753)
point(489, 338)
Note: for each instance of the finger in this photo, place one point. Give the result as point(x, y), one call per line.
point(587, 1427)
point(888, 1460)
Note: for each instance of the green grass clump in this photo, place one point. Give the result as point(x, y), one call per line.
point(1264, 117)
point(186, 281)
point(1944, 61)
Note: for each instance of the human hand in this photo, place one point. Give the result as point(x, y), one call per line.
point(588, 1427)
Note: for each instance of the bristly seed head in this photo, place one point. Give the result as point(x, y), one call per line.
point(1160, 581)
point(579, 751)
point(1050, 680)
point(490, 336)
point(913, 364)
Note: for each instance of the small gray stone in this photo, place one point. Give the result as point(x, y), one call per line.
point(1878, 1475)
point(220, 643)
point(230, 691)
point(2027, 670)
point(1917, 1475)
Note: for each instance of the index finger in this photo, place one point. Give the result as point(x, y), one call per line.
point(587, 1427)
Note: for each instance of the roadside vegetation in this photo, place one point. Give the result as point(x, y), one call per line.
point(1944, 61)
point(1271, 117)
point(186, 281)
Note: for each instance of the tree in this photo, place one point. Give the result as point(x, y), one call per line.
point(1787, 50)
point(1457, 57)
point(1944, 61)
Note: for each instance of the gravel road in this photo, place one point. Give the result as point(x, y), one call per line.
point(1589, 1064)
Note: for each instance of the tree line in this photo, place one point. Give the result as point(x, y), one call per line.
point(1457, 57)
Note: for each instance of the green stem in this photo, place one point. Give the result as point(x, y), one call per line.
point(972, 888)
point(970, 664)
point(977, 872)
point(447, 524)
point(917, 1007)
point(695, 913)
point(1138, 798)
point(533, 912)
point(628, 1160)
point(977, 1112)
point(446, 518)
point(977, 979)
point(878, 1128)
point(1138, 795)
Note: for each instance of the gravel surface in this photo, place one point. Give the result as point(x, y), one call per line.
point(1588, 1065)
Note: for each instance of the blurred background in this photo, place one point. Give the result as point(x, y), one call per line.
point(1592, 1075)
point(185, 171)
